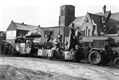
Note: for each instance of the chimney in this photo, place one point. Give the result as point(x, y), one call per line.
point(104, 9)
point(22, 23)
point(11, 20)
point(38, 25)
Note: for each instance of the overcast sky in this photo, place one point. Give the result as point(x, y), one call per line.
point(46, 12)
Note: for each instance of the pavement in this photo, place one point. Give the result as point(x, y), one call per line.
point(79, 71)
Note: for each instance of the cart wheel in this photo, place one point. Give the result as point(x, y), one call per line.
point(116, 61)
point(95, 57)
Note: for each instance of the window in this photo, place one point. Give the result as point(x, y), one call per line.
point(84, 32)
point(88, 32)
point(87, 20)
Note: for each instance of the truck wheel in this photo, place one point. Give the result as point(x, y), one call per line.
point(116, 61)
point(95, 57)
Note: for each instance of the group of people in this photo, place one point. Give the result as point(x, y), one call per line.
point(74, 37)
point(6, 48)
point(73, 45)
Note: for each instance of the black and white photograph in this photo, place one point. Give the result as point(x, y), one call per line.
point(59, 40)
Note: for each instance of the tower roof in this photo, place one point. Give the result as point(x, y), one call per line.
point(67, 6)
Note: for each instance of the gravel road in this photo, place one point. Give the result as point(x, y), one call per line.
point(77, 70)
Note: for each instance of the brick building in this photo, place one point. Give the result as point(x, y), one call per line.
point(98, 24)
point(16, 29)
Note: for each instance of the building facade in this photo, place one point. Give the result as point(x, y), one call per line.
point(15, 30)
point(98, 24)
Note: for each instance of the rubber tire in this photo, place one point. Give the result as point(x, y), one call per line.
point(116, 61)
point(94, 61)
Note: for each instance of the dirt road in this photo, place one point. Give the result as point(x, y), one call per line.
point(78, 70)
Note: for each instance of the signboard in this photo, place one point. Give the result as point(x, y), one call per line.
point(90, 39)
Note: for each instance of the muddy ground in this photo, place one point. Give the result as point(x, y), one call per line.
point(21, 68)
point(8, 72)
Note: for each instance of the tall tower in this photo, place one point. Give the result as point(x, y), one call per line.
point(67, 15)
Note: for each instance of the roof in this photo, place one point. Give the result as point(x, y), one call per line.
point(78, 21)
point(51, 27)
point(102, 14)
point(21, 26)
point(114, 16)
point(96, 18)
point(68, 6)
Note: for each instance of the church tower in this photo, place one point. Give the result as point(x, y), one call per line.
point(67, 15)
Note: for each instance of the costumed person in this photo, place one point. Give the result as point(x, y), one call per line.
point(108, 48)
point(50, 36)
point(72, 42)
point(66, 46)
point(55, 46)
point(78, 53)
point(48, 43)
point(2, 47)
point(60, 41)
point(55, 42)
point(60, 38)
point(5, 51)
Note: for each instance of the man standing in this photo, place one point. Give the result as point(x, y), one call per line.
point(72, 42)
point(50, 36)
